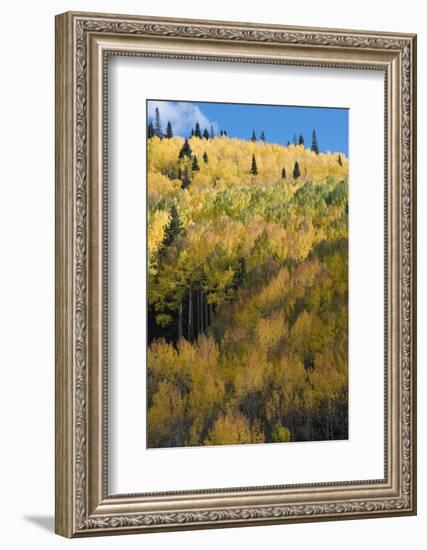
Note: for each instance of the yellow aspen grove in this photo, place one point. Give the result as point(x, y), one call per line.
point(247, 290)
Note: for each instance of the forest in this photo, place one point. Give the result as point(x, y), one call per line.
point(247, 290)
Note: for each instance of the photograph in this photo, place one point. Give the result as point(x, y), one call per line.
point(247, 273)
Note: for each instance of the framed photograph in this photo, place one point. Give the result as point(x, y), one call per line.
point(235, 274)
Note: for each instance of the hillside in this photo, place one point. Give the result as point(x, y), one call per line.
point(247, 292)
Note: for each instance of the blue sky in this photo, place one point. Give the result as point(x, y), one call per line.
point(279, 123)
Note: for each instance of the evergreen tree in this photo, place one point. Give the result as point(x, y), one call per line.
point(301, 140)
point(195, 164)
point(185, 179)
point(283, 173)
point(262, 138)
point(225, 133)
point(197, 132)
point(169, 131)
point(173, 228)
point(254, 168)
point(296, 172)
point(294, 139)
point(205, 157)
point(192, 132)
point(339, 160)
point(221, 133)
point(150, 131)
point(205, 133)
point(253, 138)
point(185, 150)
point(288, 143)
point(212, 135)
point(314, 144)
point(157, 124)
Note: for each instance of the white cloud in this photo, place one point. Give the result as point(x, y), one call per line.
point(182, 116)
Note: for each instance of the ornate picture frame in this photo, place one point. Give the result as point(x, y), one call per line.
point(84, 42)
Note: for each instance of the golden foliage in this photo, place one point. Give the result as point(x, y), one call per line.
point(231, 429)
point(157, 223)
point(263, 260)
point(230, 161)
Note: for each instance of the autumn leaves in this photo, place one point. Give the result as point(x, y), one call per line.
point(247, 293)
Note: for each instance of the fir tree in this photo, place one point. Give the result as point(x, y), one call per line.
point(185, 179)
point(157, 124)
point(339, 160)
point(174, 227)
point(254, 168)
point(197, 132)
point(169, 131)
point(221, 133)
point(205, 133)
point(212, 135)
point(288, 143)
point(301, 140)
point(205, 157)
point(192, 132)
point(294, 139)
point(253, 138)
point(185, 150)
point(296, 172)
point(150, 131)
point(195, 164)
point(283, 173)
point(262, 138)
point(314, 144)
point(225, 133)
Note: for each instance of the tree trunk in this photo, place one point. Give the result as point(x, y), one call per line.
point(190, 315)
point(202, 303)
point(180, 321)
point(196, 316)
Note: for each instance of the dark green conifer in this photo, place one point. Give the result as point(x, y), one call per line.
point(169, 131)
point(195, 164)
point(185, 150)
point(283, 173)
point(205, 133)
point(253, 138)
point(150, 131)
point(157, 124)
point(185, 178)
point(254, 168)
point(296, 172)
point(173, 228)
point(314, 144)
point(205, 157)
